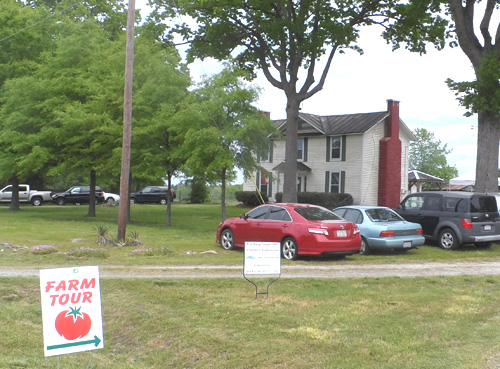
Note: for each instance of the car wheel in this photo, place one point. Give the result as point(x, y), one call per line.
point(289, 249)
point(60, 201)
point(110, 201)
point(163, 201)
point(448, 239)
point(227, 239)
point(133, 200)
point(483, 245)
point(365, 249)
point(37, 201)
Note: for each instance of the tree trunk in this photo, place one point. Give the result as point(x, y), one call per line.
point(290, 175)
point(93, 181)
point(223, 194)
point(488, 136)
point(14, 201)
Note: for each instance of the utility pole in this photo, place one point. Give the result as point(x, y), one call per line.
point(127, 124)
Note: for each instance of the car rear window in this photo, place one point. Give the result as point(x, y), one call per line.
point(383, 215)
point(317, 213)
point(483, 204)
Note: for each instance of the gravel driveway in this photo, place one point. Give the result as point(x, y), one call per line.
point(287, 271)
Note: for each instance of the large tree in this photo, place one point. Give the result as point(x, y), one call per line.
point(286, 40)
point(479, 38)
point(221, 129)
point(428, 155)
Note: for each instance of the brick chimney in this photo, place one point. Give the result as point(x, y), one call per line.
point(389, 178)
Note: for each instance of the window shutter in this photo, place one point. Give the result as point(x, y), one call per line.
point(270, 188)
point(344, 139)
point(327, 182)
point(305, 149)
point(328, 143)
point(342, 182)
point(271, 147)
point(257, 179)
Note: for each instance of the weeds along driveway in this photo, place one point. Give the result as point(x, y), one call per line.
point(287, 271)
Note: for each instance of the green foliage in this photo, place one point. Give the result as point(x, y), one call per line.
point(483, 94)
point(428, 155)
point(327, 200)
point(199, 191)
point(251, 198)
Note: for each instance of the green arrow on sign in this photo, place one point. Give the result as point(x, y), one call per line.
point(95, 341)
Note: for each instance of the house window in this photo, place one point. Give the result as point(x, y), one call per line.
point(334, 182)
point(268, 156)
point(300, 149)
point(264, 183)
point(301, 184)
point(336, 148)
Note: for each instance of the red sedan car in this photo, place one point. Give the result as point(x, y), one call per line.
point(301, 229)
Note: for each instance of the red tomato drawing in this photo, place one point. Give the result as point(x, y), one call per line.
point(73, 324)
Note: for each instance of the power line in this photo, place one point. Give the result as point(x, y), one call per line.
point(38, 23)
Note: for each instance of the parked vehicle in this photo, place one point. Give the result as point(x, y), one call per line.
point(78, 195)
point(111, 198)
point(301, 229)
point(454, 218)
point(26, 195)
point(152, 194)
point(382, 228)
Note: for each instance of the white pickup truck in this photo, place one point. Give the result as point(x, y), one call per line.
point(26, 194)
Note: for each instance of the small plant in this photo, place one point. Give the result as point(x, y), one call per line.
point(134, 239)
point(43, 249)
point(89, 252)
point(102, 234)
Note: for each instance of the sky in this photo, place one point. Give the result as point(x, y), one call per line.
point(363, 83)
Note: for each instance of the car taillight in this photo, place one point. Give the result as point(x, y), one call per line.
point(387, 234)
point(419, 231)
point(356, 229)
point(466, 223)
point(318, 231)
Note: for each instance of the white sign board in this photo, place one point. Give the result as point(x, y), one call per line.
point(71, 310)
point(262, 258)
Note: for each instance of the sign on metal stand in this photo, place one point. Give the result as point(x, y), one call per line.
point(71, 310)
point(262, 259)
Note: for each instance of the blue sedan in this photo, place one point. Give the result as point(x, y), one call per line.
point(382, 228)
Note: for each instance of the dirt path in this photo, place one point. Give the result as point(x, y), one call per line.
point(287, 271)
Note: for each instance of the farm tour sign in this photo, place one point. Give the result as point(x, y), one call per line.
point(71, 310)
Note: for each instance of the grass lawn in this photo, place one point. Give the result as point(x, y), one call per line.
point(425, 322)
point(72, 233)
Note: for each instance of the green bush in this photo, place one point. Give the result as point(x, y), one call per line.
point(199, 191)
point(250, 198)
point(327, 200)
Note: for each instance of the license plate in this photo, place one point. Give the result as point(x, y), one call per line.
point(407, 244)
point(341, 233)
point(487, 227)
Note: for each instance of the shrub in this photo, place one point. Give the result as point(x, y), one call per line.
point(199, 191)
point(327, 200)
point(250, 198)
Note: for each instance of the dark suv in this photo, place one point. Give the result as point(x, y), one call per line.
point(152, 194)
point(78, 195)
point(454, 218)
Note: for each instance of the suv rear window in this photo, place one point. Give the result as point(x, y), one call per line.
point(483, 204)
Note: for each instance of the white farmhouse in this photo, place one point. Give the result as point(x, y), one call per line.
point(365, 155)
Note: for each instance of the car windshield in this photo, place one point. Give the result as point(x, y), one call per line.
point(317, 213)
point(383, 215)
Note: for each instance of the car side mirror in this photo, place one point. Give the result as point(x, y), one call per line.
point(243, 216)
